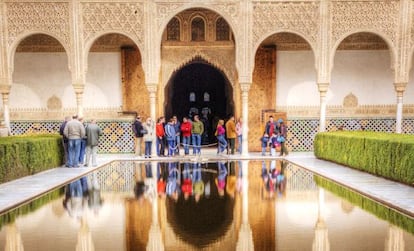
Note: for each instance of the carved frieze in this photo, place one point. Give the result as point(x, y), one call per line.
point(49, 17)
point(349, 16)
point(125, 17)
point(302, 17)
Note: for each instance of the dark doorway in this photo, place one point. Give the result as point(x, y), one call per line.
point(199, 88)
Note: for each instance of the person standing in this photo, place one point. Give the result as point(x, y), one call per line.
point(220, 134)
point(137, 128)
point(74, 131)
point(93, 131)
point(170, 136)
point(239, 132)
point(197, 129)
point(283, 137)
point(231, 133)
point(149, 136)
point(177, 127)
point(160, 134)
point(65, 140)
point(186, 131)
point(83, 145)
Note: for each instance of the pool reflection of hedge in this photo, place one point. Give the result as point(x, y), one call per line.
point(12, 215)
point(389, 155)
point(29, 154)
point(385, 213)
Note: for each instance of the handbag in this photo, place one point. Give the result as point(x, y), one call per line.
point(280, 139)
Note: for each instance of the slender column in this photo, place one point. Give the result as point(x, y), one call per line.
point(399, 88)
point(152, 89)
point(5, 92)
point(79, 97)
point(323, 89)
point(245, 87)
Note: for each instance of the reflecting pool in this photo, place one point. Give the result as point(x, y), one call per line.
point(232, 205)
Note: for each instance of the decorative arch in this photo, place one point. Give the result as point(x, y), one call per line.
point(220, 24)
point(88, 45)
point(21, 37)
point(173, 36)
point(193, 29)
point(388, 41)
point(260, 41)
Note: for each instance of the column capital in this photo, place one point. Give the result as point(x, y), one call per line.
point(78, 87)
point(5, 89)
point(152, 87)
point(245, 87)
point(400, 88)
point(323, 87)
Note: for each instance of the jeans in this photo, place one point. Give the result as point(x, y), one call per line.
point(73, 152)
point(186, 144)
point(222, 143)
point(240, 141)
point(160, 146)
point(171, 145)
point(91, 151)
point(177, 144)
point(137, 149)
point(196, 139)
point(82, 151)
point(148, 145)
point(232, 144)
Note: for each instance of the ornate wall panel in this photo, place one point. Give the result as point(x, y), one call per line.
point(352, 16)
point(49, 17)
point(114, 16)
point(302, 17)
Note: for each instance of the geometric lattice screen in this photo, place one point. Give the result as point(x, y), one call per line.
point(118, 137)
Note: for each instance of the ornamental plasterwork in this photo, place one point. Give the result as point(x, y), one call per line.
point(49, 17)
point(230, 11)
point(350, 101)
point(113, 16)
point(286, 16)
point(356, 16)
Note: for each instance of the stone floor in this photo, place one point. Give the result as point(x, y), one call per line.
point(393, 194)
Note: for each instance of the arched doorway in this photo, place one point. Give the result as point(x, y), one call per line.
point(199, 88)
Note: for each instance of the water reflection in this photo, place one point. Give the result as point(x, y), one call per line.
point(225, 205)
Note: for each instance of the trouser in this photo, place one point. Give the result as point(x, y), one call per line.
point(231, 144)
point(91, 151)
point(186, 144)
point(138, 141)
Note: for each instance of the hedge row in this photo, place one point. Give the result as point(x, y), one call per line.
point(382, 212)
point(26, 155)
point(388, 155)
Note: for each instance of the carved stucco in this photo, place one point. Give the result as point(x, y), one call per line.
point(122, 17)
point(298, 17)
point(380, 17)
point(41, 17)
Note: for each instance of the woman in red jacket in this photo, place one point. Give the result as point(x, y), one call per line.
point(160, 133)
point(186, 133)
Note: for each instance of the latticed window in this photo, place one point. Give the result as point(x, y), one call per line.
point(222, 30)
point(197, 29)
point(173, 30)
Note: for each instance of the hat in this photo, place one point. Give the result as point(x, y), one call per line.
point(280, 121)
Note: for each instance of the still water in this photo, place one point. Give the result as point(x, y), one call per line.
point(236, 205)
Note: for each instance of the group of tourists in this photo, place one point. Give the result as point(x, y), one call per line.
point(274, 137)
point(79, 138)
point(172, 135)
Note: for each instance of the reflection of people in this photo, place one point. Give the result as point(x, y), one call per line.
point(231, 180)
point(93, 131)
point(173, 181)
point(221, 178)
point(187, 183)
point(162, 175)
point(198, 183)
point(197, 129)
point(76, 194)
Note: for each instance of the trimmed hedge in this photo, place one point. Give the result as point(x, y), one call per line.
point(382, 212)
point(29, 154)
point(389, 155)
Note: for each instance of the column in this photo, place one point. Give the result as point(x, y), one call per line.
point(152, 89)
point(399, 88)
point(5, 92)
point(245, 87)
point(79, 87)
point(323, 89)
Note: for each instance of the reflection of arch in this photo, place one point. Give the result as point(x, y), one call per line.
point(22, 37)
point(379, 34)
point(202, 223)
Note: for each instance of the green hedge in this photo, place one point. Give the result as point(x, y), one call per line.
point(381, 211)
point(389, 155)
point(26, 155)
